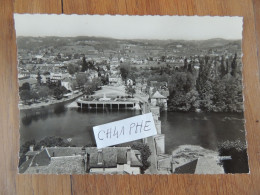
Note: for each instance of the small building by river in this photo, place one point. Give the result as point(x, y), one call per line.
point(158, 99)
point(104, 103)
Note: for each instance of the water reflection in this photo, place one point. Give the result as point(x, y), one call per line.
point(74, 123)
point(203, 129)
point(26, 121)
point(60, 109)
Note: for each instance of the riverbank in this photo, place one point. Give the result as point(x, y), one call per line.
point(207, 160)
point(50, 102)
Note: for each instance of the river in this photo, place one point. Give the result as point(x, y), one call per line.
point(203, 129)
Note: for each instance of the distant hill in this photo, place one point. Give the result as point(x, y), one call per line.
point(109, 43)
point(211, 43)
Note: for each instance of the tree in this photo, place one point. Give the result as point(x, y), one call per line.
point(206, 97)
point(163, 58)
point(219, 95)
point(58, 83)
point(39, 78)
point(84, 65)
point(145, 153)
point(204, 84)
point(34, 95)
point(159, 78)
point(89, 88)
point(58, 92)
point(46, 73)
point(26, 146)
point(24, 149)
point(25, 95)
point(181, 82)
point(25, 86)
point(227, 66)
point(185, 67)
point(52, 141)
point(91, 65)
point(124, 70)
point(63, 89)
point(233, 95)
point(92, 86)
point(76, 68)
point(234, 65)
point(190, 68)
point(239, 161)
point(130, 90)
point(81, 79)
point(43, 92)
point(222, 68)
point(71, 69)
point(96, 82)
point(76, 56)
point(105, 79)
point(73, 85)
point(192, 100)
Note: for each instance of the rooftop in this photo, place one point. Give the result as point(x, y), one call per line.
point(61, 165)
point(111, 156)
point(69, 160)
point(157, 95)
point(64, 151)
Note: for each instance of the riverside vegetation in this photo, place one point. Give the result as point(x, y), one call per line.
point(212, 84)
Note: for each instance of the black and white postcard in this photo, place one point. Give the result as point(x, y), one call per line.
point(76, 72)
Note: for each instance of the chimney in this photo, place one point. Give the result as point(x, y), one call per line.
point(86, 161)
point(100, 157)
point(128, 156)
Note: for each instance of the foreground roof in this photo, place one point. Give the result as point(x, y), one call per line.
point(70, 160)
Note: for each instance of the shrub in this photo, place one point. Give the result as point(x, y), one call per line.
point(238, 152)
point(51, 142)
point(145, 153)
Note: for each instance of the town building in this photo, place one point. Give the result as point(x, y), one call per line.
point(23, 74)
point(92, 74)
point(158, 99)
point(129, 82)
point(113, 160)
point(55, 77)
point(67, 83)
point(115, 79)
point(78, 160)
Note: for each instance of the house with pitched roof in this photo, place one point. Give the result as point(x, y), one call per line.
point(113, 160)
point(157, 99)
point(78, 160)
point(67, 83)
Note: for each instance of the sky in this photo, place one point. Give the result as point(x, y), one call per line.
point(130, 27)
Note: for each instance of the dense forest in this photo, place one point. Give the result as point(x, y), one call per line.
point(214, 86)
point(217, 87)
